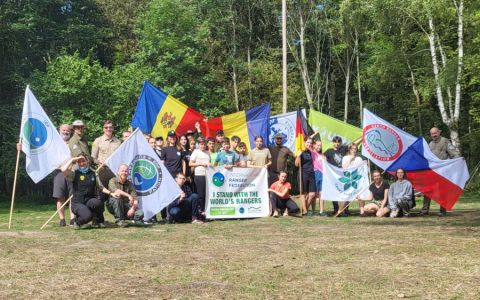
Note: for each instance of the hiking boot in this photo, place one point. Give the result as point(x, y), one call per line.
point(62, 223)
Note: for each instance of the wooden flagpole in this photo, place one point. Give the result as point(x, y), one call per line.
point(14, 186)
point(61, 207)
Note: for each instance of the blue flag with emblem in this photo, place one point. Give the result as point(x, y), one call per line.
point(43, 146)
point(284, 124)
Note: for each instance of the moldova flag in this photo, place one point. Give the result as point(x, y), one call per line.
point(158, 112)
point(301, 132)
point(440, 180)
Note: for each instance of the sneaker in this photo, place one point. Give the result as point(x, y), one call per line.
point(75, 225)
point(84, 226)
point(394, 213)
point(62, 223)
point(442, 214)
point(309, 213)
point(424, 213)
point(197, 221)
point(323, 214)
point(275, 214)
point(102, 225)
point(364, 215)
point(72, 222)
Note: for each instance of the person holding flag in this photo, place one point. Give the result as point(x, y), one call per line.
point(86, 204)
point(307, 177)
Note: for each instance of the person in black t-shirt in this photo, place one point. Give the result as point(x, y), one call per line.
point(308, 177)
point(334, 157)
point(172, 156)
point(378, 195)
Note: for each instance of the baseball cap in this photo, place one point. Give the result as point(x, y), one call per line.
point(172, 133)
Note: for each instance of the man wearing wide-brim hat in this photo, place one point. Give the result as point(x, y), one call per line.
point(78, 142)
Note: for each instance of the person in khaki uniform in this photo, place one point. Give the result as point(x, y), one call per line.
point(102, 148)
point(443, 149)
point(105, 145)
point(259, 157)
point(123, 199)
point(78, 141)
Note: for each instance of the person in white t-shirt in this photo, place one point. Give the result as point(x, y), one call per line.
point(200, 161)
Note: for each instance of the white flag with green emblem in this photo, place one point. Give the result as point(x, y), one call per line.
point(155, 187)
point(43, 146)
point(344, 184)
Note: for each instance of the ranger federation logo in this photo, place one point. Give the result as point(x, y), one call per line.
point(286, 128)
point(36, 133)
point(146, 174)
point(218, 179)
point(382, 142)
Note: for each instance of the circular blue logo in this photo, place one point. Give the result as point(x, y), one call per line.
point(35, 133)
point(241, 210)
point(146, 174)
point(286, 128)
point(218, 179)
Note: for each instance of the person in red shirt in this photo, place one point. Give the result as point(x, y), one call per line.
point(280, 196)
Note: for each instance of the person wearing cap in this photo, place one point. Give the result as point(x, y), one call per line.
point(85, 188)
point(78, 142)
point(172, 155)
point(158, 146)
point(334, 157)
point(279, 153)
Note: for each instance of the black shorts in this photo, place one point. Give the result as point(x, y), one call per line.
point(62, 188)
point(308, 182)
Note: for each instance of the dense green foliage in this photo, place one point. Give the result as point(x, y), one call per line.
point(87, 59)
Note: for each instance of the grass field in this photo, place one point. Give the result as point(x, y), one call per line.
point(284, 258)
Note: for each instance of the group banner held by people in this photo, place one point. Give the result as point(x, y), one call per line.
point(237, 193)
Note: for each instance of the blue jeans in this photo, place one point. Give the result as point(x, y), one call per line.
point(185, 210)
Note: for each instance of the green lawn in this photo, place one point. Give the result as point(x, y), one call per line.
point(284, 258)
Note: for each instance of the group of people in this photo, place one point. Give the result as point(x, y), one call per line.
point(187, 157)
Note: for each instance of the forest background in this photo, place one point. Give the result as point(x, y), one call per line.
point(415, 63)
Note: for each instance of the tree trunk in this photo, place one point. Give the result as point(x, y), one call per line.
point(359, 87)
point(234, 54)
point(303, 62)
point(347, 84)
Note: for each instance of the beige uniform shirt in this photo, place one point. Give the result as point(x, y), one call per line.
point(103, 147)
point(443, 149)
point(259, 157)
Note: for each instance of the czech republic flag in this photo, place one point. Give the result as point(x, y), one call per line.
point(440, 180)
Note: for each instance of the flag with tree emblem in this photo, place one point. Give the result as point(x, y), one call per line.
point(345, 184)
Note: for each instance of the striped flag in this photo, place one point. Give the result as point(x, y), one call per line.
point(158, 112)
point(301, 132)
point(43, 146)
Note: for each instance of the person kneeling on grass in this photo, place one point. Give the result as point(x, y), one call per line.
point(279, 193)
point(400, 195)
point(86, 204)
point(378, 195)
point(123, 203)
point(185, 207)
